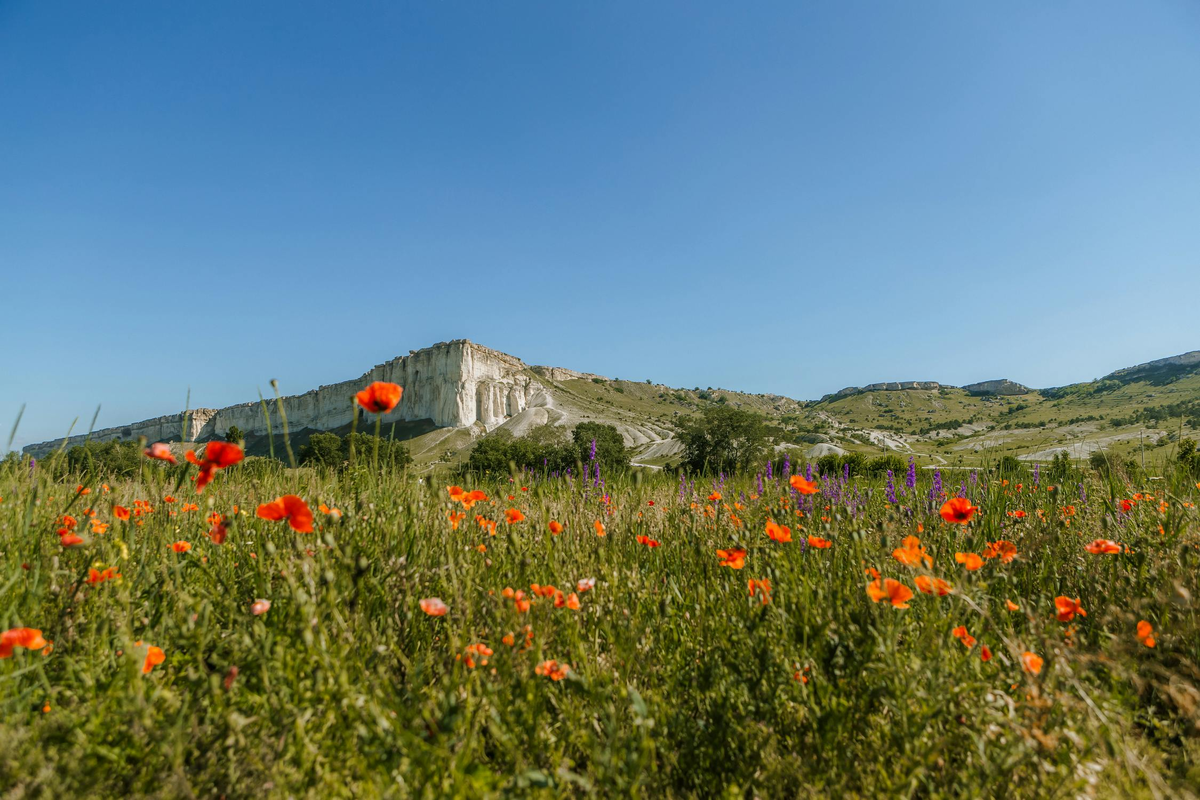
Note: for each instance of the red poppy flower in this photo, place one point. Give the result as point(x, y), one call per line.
point(646, 540)
point(154, 657)
point(380, 397)
point(819, 543)
point(1002, 549)
point(1068, 608)
point(893, 591)
point(735, 558)
point(958, 510)
point(930, 585)
point(778, 533)
point(1032, 662)
point(961, 634)
point(27, 638)
point(803, 486)
point(1102, 546)
point(555, 527)
point(971, 561)
point(762, 587)
point(434, 607)
point(217, 455)
point(161, 451)
point(291, 508)
point(513, 515)
point(911, 553)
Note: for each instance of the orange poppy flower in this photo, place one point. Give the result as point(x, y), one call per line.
point(1068, 608)
point(929, 585)
point(714, 497)
point(585, 583)
point(1003, 549)
point(734, 558)
point(1102, 546)
point(521, 603)
point(218, 533)
point(513, 515)
point(27, 638)
point(1012, 606)
point(96, 576)
point(762, 587)
point(69, 539)
point(154, 657)
point(291, 508)
point(217, 455)
point(970, 561)
point(779, 533)
point(1032, 662)
point(555, 527)
point(803, 486)
point(985, 653)
point(1145, 633)
point(161, 451)
point(456, 518)
point(552, 670)
point(542, 591)
point(961, 634)
point(260, 607)
point(121, 513)
point(958, 510)
point(600, 529)
point(911, 553)
point(1018, 514)
point(893, 591)
point(819, 543)
point(181, 546)
point(434, 607)
point(380, 397)
point(646, 540)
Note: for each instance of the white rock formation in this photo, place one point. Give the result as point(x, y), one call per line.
point(455, 384)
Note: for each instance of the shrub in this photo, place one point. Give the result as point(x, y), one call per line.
point(723, 439)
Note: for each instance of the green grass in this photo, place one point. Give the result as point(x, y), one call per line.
point(680, 684)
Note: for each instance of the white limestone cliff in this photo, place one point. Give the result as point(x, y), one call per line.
point(455, 384)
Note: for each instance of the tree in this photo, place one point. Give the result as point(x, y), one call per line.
point(723, 439)
point(234, 434)
point(610, 445)
point(491, 453)
point(322, 450)
point(330, 450)
point(105, 458)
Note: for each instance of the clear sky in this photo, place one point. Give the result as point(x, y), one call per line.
point(769, 196)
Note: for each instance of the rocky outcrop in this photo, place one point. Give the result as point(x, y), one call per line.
point(1184, 361)
point(455, 384)
point(1002, 386)
point(891, 386)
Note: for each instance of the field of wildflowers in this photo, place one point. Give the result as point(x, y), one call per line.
point(209, 630)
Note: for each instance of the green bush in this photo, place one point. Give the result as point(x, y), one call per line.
point(723, 439)
point(333, 451)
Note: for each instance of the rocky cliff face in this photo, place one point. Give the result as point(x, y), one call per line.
point(1184, 360)
point(1002, 386)
point(455, 384)
point(891, 386)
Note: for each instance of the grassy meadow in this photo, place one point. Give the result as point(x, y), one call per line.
point(280, 663)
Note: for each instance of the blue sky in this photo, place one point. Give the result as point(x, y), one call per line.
point(779, 197)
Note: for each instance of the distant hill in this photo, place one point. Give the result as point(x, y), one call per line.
point(458, 391)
